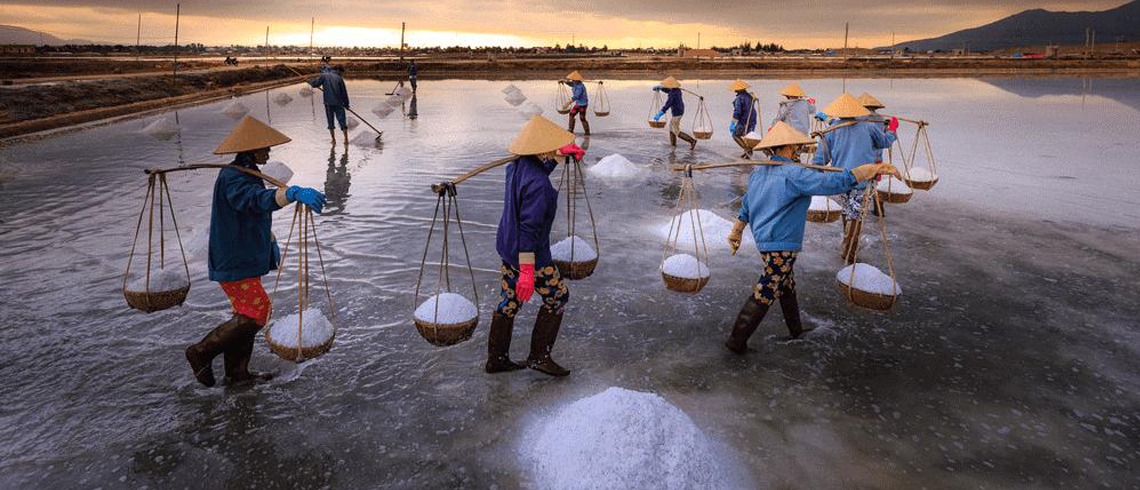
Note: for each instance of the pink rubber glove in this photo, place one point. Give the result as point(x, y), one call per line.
point(811, 100)
point(524, 287)
point(572, 150)
point(893, 125)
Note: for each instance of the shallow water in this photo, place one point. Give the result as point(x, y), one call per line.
point(1010, 361)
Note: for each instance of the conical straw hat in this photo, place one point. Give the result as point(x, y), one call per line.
point(538, 136)
point(782, 134)
point(250, 134)
point(870, 102)
point(670, 82)
point(846, 106)
point(739, 85)
point(574, 75)
point(793, 90)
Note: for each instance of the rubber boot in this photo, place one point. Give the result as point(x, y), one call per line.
point(201, 355)
point(672, 139)
point(499, 345)
point(585, 126)
point(689, 139)
point(237, 355)
point(572, 123)
point(851, 232)
point(747, 320)
point(542, 342)
point(790, 306)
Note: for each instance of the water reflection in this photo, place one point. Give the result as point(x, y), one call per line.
point(337, 181)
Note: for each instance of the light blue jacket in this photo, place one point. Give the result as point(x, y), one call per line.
point(797, 113)
point(578, 94)
point(851, 146)
point(776, 203)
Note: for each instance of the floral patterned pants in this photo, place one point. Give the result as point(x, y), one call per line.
point(548, 283)
point(249, 298)
point(778, 277)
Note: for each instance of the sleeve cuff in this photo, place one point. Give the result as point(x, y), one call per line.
point(279, 196)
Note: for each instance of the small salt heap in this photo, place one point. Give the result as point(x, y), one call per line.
point(316, 331)
point(870, 279)
point(583, 252)
point(235, 109)
point(685, 266)
point(515, 98)
point(403, 93)
point(277, 170)
point(530, 109)
point(394, 101)
point(823, 204)
point(382, 110)
point(715, 230)
point(282, 99)
point(453, 309)
point(921, 174)
point(891, 185)
point(509, 89)
point(754, 136)
point(162, 128)
point(306, 91)
point(615, 166)
point(365, 138)
point(161, 280)
point(352, 122)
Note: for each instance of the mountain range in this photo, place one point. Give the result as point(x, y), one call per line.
point(20, 35)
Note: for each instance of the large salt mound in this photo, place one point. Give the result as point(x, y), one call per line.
point(316, 331)
point(278, 171)
point(530, 109)
point(716, 230)
point(306, 91)
point(235, 109)
point(282, 99)
point(162, 128)
point(891, 185)
point(623, 439)
point(870, 279)
point(509, 89)
point(615, 167)
point(684, 266)
point(921, 174)
point(583, 251)
point(823, 203)
point(515, 98)
point(453, 308)
point(167, 279)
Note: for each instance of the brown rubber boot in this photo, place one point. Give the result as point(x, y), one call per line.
point(201, 355)
point(790, 306)
point(747, 320)
point(542, 342)
point(672, 139)
point(689, 139)
point(499, 345)
point(237, 355)
point(851, 232)
point(585, 126)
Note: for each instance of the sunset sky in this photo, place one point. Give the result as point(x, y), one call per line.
point(618, 24)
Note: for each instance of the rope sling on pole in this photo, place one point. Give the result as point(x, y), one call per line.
point(654, 106)
point(320, 341)
point(702, 121)
point(682, 272)
point(446, 318)
point(573, 256)
point(917, 177)
point(149, 293)
point(601, 101)
point(562, 99)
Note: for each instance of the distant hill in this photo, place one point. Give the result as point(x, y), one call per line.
point(1039, 27)
point(20, 35)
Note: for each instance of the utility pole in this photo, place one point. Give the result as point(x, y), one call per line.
point(1087, 53)
point(846, 31)
point(312, 25)
point(892, 45)
point(138, 38)
point(403, 26)
point(1093, 44)
point(698, 40)
point(266, 40)
point(177, 18)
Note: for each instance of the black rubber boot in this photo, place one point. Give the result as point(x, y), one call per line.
point(572, 123)
point(790, 306)
point(689, 139)
point(585, 127)
point(747, 320)
point(201, 355)
point(542, 342)
point(237, 355)
point(672, 139)
point(499, 345)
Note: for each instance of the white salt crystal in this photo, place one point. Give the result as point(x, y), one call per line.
point(530, 109)
point(823, 203)
point(235, 109)
point(615, 166)
point(715, 230)
point(315, 331)
point(515, 98)
point(453, 308)
point(365, 138)
point(282, 99)
point(352, 122)
point(753, 136)
point(921, 174)
point(870, 279)
point(162, 128)
point(509, 89)
point(583, 251)
point(277, 170)
point(306, 91)
point(382, 110)
point(161, 280)
point(685, 266)
point(892, 185)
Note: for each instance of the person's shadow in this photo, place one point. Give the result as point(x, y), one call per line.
point(337, 182)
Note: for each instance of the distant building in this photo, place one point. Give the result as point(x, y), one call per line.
point(17, 49)
point(684, 52)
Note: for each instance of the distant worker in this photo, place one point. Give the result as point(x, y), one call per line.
point(774, 208)
point(849, 143)
point(675, 105)
point(578, 100)
point(873, 105)
point(331, 82)
point(326, 61)
point(743, 116)
point(796, 108)
point(413, 72)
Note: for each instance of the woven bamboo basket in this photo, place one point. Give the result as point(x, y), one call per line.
point(445, 334)
point(921, 185)
point(576, 270)
point(153, 301)
point(601, 113)
point(563, 111)
point(829, 216)
point(293, 354)
point(656, 124)
point(893, 197)
point(872, 301)
point(702, 135)
point(750, 142)
point(684, 284)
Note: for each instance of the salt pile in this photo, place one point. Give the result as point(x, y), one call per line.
point(278, 171)
point(891, 185)
point(920, 174)
point(515, 98)
point(453, 309)
point(352, 122)
point(530, 109)
point(282, 99)
point(623, 439)
point(754, 136)
point(317, 330)
point(509, 89)
point(382, 110)
point(685, 266)
point(235, 109)
point(583, 252)
point(162, 128)
point(870, 279)
point(403, 93)
point(823, 203)
point(161, 280)
point(306, 91)
point(615, 167)
point(365, 138)
point(395, 101)
point(716, 229)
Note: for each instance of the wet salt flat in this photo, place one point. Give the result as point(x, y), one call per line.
point(1010, 361)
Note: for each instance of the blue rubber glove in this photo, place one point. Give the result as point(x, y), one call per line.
point(821, 116)
point(659, 115)
point(304, 195)
point(657, 88)
point(732, 127)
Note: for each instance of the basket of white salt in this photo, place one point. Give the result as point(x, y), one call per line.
point(446, 319)
point(752, 139)
point(158, 284)
point(683, 273)
point(824, 210)
point(601, 101)
point(575, 258)
point(301, 336)
point(867, 286)
point(893, 190)
point(654, 107)
point(162, 289)
point(562, 99)
point(702, 123)
point(920, 178)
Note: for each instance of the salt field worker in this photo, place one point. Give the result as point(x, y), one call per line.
point(578, 102)
point(873, 105)
point(796, 108)
point(530, 203)
point(675, 105)
point(849, 146)
point(331, 82)
point(242, 249)
point(413, 72)
point(775, 209)
point(743, 116)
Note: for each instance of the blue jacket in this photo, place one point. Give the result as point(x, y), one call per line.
point(797, 113)
point(851, 146)
point(413, 70)
point(878, 119)
point(776, 203)
point(240, 238)
point(578, 94)
point(530, 203)
point(744, 112)
point(675, 102)
point(333, 86)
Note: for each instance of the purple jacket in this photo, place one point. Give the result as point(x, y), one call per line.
point(530, 203)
